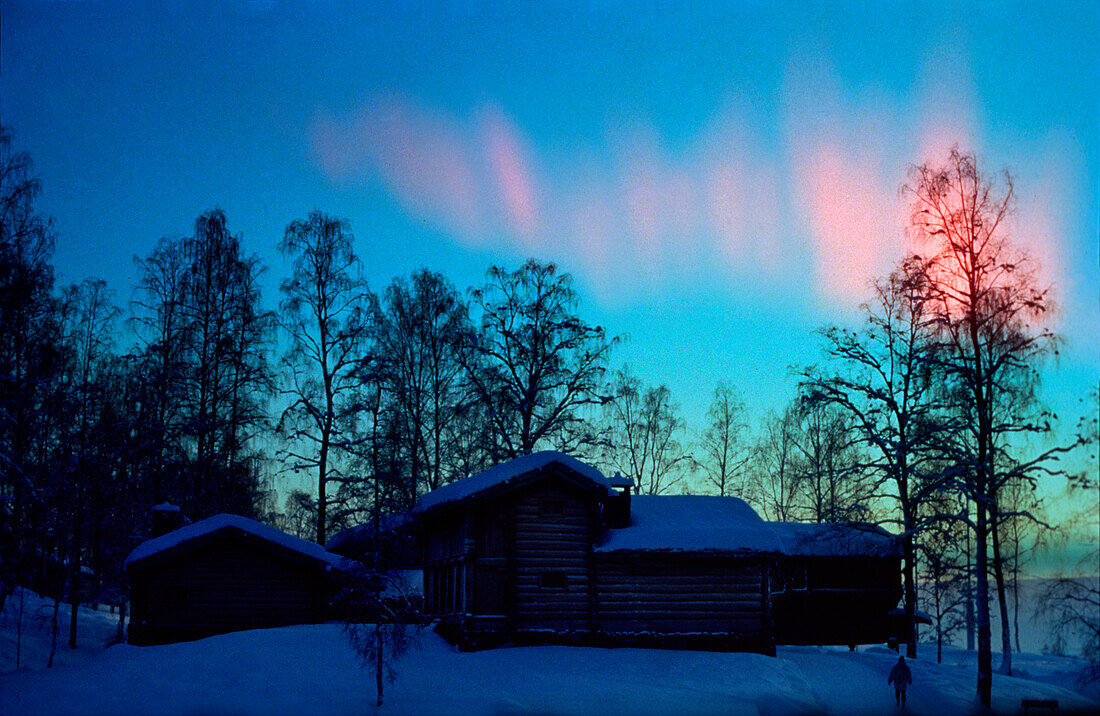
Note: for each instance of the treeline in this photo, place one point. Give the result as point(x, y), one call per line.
point(916, 418)
point(926, 415)
point(374, 398)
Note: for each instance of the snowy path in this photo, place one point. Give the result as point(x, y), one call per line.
point(310, 669)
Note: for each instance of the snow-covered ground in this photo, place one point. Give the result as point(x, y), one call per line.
point(96, 628)
point(311, 669)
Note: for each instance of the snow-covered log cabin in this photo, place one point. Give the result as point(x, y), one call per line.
point(546, 548)
point(226, 573)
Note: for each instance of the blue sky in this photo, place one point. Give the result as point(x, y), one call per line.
point(720, 182)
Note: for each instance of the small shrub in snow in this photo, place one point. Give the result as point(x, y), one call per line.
point(377, 616)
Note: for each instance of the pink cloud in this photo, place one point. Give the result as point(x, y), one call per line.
point(635, 209)
point(512, 173)
point(660, 198)
point(946, 104)
point(423, 157)
point(842, 217)
point(1045, 211)
point(635, 213)
point(845, 177)
point(741, 194)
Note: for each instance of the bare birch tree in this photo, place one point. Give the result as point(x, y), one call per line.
point(89, 335)
point(723, 450)
point(326, 312)
point(988, 309)
point(885, 377)
point(774, 472)
point(420, 325)
point(28, 359)
point(644, 427)
point(535, 363)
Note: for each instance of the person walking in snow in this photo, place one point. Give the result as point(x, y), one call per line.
point(900, 677)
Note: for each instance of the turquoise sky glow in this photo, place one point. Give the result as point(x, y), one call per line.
point(719, 182)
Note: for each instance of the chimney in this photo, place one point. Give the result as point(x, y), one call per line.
point(617, 510)
point(166, 517)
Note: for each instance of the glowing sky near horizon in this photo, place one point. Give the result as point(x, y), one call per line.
point(719, 182)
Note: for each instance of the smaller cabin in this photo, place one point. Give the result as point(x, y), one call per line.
point(223, 574)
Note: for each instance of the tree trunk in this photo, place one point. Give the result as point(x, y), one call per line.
point(909, 575)
point(969, 596)
point(1016, 585)
point(939, 640)
point(1002, 601)
point(985, 657)
point(379, 659)
point(53, 630)
point(910, 600)
point(74, 597)
point(19, 627)
point(122, 620)
point(322, 485)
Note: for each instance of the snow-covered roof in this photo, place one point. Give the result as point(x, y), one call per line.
point(697, 523)
point(809, 539)
point(220, 522)
point(505, 473)
point(691, 523)
point(387, 526)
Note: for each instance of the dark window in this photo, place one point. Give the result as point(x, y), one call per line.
point(551, 507)
point(777, 580)
point(792, 576)
point(552, 580)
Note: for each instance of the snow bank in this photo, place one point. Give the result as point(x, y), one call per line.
point(311, 669)
point(691, 523)
point(505, 473)
point(217, 523)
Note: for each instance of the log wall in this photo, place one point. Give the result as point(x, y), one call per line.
point(553, 541)
point(679, 595)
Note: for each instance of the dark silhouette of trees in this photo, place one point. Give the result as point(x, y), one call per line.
point(830, 470)
point(884, 376)
point(420, 329)
point(643, 427)
point(1072, 601)
point(29, 365)
point(534, 364)
point(774, 474)
point(88, 318)
point(723, 450)
point(228, 378)
point(327, 313)
point(807, 466)
point(205, 339)
point(299, 516)
point(157, 312)
point(988, 310)
point(943, 578)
